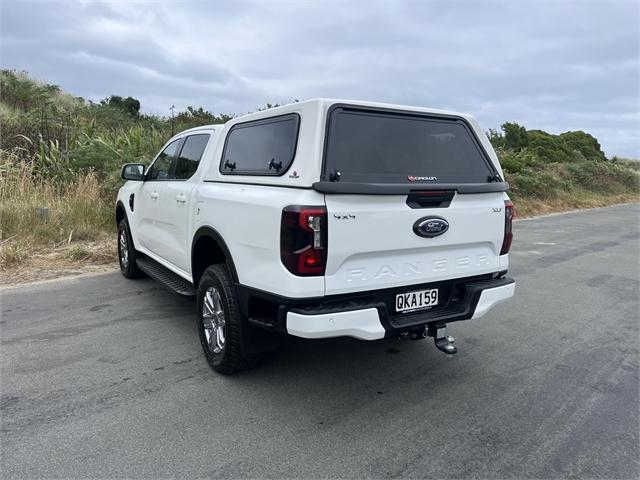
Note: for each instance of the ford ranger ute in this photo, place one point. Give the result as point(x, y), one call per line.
point(319, 219)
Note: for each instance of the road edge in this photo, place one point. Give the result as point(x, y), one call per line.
point(575, 210)
point(63, 278)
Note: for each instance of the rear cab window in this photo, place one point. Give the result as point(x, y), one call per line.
point(190, 155)
point(378, 146)
point(261, 147)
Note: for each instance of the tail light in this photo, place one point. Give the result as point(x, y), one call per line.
point(509, 214)
point(303, 240)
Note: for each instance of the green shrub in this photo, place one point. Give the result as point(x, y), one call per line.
point(584, 143)
point(559, 180)
point(548, 147)
point(526, 183)
point(128, 105)
point(194, 117)
point(515, 136)
point(514, 161)
point(630, 164)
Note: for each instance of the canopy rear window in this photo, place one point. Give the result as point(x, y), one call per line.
point(371, 146)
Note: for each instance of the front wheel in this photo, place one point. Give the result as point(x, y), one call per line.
point(219, 322)
point(126, 252)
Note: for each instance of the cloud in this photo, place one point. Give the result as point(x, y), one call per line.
point(552, 65)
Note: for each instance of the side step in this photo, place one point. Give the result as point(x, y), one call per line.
point(166, 277)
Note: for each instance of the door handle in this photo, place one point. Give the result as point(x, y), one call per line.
point(180, 198)
point(154, 195)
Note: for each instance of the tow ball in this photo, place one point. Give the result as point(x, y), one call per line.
point(445, 343)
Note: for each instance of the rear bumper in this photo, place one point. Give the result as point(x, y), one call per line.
point(491, 297)
point(371, 315)
point(363, 324)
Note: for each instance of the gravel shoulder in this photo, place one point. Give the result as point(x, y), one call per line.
point(61, 261)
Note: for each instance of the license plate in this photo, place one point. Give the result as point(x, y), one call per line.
point(407, 302)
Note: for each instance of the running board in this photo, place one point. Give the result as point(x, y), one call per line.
point(166, 277)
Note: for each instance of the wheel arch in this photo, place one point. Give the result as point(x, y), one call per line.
point(209, 248)
point(121, 212)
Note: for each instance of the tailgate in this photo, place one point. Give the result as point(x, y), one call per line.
point(373, 245)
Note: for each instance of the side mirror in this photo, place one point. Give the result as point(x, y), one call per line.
point(133, 171)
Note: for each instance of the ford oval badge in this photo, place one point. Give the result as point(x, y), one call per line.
point(430, 226)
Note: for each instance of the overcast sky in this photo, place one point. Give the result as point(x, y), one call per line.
point(554, 65)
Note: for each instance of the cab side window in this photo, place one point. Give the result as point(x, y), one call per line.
point(190, 155)
point(161, 168)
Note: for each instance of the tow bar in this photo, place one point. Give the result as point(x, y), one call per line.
point(445, 343)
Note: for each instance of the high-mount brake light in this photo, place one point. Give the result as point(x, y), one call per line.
point(303, 240)
point(509, 214)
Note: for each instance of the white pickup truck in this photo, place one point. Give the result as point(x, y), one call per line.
point(323, 218)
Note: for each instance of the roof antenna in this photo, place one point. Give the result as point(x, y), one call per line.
point(173, 123)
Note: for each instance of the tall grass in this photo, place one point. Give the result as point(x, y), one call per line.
point(77, 209)
point(540, 186)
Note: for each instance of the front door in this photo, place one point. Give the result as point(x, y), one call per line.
point(151, 200)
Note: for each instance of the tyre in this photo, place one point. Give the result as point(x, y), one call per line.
point(219, 322)
point(126, 252)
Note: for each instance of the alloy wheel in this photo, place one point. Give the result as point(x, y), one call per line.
point(124, 249)
point(213, 319)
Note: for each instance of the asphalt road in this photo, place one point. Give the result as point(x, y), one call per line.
point(103, 377)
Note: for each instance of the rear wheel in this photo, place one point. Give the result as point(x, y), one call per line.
point(126, 252)
point(219, 324)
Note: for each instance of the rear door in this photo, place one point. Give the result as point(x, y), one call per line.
point(177, 211)
point(418, 201)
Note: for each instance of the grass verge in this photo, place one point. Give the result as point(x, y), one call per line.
point(531, 207)
point(42, 212)
point(50, 229)
point(21, 263)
